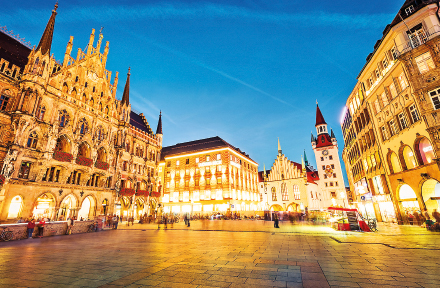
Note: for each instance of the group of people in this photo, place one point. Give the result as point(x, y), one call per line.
point(32, 223)
point(113, 221)
point(423, 218)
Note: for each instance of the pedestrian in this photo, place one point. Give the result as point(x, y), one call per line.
point(132, 221)
point(436, 216)
point(187, 221)
point(276, 224)
point(115, 222)
point(31, 227)
point(70, 223)
point(410, 218)
point(428, 220)
point(41, 227)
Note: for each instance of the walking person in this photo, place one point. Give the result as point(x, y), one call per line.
point(276, 223)
point(70, 223)
point(41, 227)
point(115, 222)
point(30, 228)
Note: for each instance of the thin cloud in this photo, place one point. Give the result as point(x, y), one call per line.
point(199, 11)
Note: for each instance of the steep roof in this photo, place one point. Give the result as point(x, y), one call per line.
point(126, 94)
point(312, 176)
point(13, 51)
point(46, 40)
point(138, 121)
point(159, 124)
point(319, 118)
point(199, 145)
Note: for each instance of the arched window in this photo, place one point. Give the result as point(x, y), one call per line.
point(100, 107)
point(65, 87)
point(100, 133)
point(106, 110)
point(36, 64)
point(424, 151)
point(91, 102)
point(4, 99)
point(63, 118)
point(84, 98)
point(40, 112)
point(76, 79)
point(274, 194)
point(395, 164)
point(408, 198)
point(84, 150)
point(74, 93)
point(63, 144)
point(408, 157)
point(127, 147)
point(15, 207)
point(83, 126)
point(102, 155)
point(32, 140)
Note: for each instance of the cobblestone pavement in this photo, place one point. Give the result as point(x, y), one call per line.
point(245, 254)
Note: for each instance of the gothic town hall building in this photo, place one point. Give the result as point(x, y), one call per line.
point(68, 147)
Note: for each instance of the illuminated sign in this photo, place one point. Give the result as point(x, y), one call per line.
point(217, 162)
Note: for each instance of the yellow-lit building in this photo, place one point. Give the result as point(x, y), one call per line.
point(208, 176)
point(390, 122)
point(68, 146)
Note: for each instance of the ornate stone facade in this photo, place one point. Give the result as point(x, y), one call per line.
point(68, 147)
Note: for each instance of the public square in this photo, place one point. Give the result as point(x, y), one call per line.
point(225, 253)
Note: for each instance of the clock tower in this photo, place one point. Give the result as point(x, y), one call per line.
point(331, 181)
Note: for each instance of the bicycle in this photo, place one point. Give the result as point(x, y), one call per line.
point(6, 234)
point(372, 224)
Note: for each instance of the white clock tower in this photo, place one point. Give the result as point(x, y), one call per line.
point(331, 181)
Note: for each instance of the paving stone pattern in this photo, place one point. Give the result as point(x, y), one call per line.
point(194, 258)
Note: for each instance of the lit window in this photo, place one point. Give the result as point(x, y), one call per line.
point(177, 163)
point(197, 160)
point(393, 90)
point(4, 99)
point(207, 158)
point(32, 140)
point(392, 126)
point(403, 82)
point(377, 105)
point(219, 156)
point(383, 129)
point(24, 170)
point(384, 99)
point(424, 62)
point(40, 112)
point(409, 10)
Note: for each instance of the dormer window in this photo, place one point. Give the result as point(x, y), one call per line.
point(409, 10)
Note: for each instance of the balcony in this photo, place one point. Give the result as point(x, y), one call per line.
point(101, 165)
point(83, 161)
point(62, 156)
point(417, 39)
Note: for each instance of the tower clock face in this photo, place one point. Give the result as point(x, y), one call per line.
point(325, 152)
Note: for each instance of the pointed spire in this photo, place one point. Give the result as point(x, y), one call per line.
point(264, 169)
point(279, 147)
point(313, 138)
point(46, 40)
point(305, 158)
point(332, 134)
point(303, 165)
point(159, 124)
point(125, 96)
point(319, 118)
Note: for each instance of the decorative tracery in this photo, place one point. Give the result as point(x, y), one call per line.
point(63, 118)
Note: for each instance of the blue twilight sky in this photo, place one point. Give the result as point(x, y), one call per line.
point(248, 71)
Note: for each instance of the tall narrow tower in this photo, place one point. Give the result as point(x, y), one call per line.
point(331, 180)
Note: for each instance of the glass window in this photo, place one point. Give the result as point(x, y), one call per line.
point(24, 170)
point(425, 63)
point(414, 113)
point(63, 118)
point(377, 105)
point(392, 126)
point(219, 156)
point(435, 98)
point(393, 90)
point(383, 130)
point(40, 112)
point(197, 160)
point(32, 140)
point(4, 99)
point(402, 120)
point(274, 194)
point(409, 158)
point(426, 151)
point(177, 163)
point(384, 99)
point(402, 81)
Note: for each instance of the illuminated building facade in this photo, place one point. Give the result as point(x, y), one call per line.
point(390, 126)
point(68, 147)
point(289, 186)
point(331, 188)
point(208, 176)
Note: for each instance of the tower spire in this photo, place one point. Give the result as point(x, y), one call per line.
point(159, 124)
point(125, 96)
point(319, 118)
point(46, 40)
point(279, 147)
point(305, 158)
